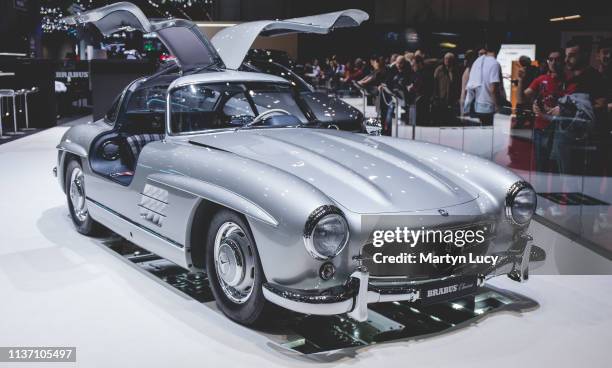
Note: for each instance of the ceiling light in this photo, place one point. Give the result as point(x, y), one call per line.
point(569, 17)
point(12, 54)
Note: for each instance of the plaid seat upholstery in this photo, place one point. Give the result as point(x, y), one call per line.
point(138, 141)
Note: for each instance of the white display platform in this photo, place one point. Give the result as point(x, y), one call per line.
point(59, 288)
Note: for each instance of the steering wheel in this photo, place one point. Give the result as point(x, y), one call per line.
point(259, 118)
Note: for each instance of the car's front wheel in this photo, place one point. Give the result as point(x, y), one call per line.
point(234, 269)
point(77, 204)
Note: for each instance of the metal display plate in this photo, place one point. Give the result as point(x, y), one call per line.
point(330, 338)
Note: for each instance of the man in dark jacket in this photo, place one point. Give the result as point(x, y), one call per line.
point(420, 90)
point(526, 75)
point(396, 80)
point(446, 91)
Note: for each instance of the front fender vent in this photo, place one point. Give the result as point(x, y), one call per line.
point(153, 203)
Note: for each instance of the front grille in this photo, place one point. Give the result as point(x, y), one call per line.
point(422, 269)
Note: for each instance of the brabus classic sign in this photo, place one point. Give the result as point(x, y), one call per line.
point(448, 289)
point(443, 290)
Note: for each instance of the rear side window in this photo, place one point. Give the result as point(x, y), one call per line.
point(151, 99)
point(145, 111)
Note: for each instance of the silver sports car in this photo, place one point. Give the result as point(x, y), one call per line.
point(220, 170)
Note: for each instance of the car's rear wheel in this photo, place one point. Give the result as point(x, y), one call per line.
point(77, 203)
point(234, 269)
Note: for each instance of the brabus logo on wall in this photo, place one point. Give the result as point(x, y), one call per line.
point(74, 74)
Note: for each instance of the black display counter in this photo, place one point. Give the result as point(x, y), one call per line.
point(97, 81)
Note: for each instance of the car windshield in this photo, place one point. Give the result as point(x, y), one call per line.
point(200, 107)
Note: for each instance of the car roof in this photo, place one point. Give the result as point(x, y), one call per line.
point(227, 76)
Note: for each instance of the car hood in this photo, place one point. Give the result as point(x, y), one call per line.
point(356, 171)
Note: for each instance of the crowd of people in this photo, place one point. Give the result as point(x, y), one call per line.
point(437, 88)
point(565, 100)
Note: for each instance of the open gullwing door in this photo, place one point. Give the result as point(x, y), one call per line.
point(182, 37)
point(233, 43)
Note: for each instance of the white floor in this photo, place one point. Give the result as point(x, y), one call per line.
point(58, 288)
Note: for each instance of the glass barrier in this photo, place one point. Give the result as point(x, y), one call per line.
point(567, 160)
point(558, 136)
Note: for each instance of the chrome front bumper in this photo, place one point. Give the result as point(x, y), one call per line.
point(353, 298)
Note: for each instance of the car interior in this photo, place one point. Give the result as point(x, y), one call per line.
point(138, 120)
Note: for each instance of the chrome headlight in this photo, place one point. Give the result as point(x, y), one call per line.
point(326, 232)
point(520, 203)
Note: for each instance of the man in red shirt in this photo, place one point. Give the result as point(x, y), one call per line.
point(545, 90)
point(568, 148)
point(583, 78)
point(604, 57)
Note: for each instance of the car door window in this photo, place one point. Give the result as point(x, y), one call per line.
point(201, 107)
point(145, 111)
point(151, 99)
point(193, 108)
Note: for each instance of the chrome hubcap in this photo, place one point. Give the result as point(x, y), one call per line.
point(77, 194)
point(234, 262)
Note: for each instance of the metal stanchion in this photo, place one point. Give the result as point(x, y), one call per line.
point(413, 116)
point(398, 115)
point(9, 93)
point(25, 100)
point(364, 96)
point(398, 112)
point(2, 136)
point(414, 127)
point(20, 95)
